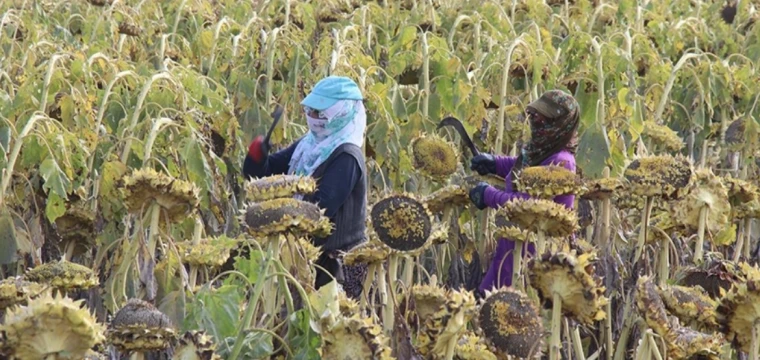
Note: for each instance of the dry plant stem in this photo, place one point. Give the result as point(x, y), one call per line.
point(605, 230)
point(740, 241)
point(664, 268)
point(408, 275)
point(608, 331)
point(645, 214)
point(625, 333)
point(383, 288)
point(754, 342)
point(699, 249)
point(450, 347)
point(578, 344)
point(517, 265)
point(555, 345)
point(365, 298)
point(155, 216)
point(540, 242)
point(747, 238)
point(654, 350)
point(70, 246)
point(196, 240)
point(137, 356)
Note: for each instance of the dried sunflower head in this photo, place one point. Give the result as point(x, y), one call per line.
point(536, 215)
point(51, 327)
point(546, 182)
point(738, 312)
point(651, 307)
point(209, 253)
point(585, 213)
point(402, 222)
point(574, 280)
point(715, 275)
point(735, 139)
point(511, 323)
point(428, 299)
point(447, 324)
point(78, 225)
point(17, 291)
point(706, 191)
point(129, 29)
point(140, 327)
point(285, 216)
point(685, 343)
point(658, 176)
point(472, 347)
point(744, 197)
point(369, 252)
point(63, 275)
point(448, 196)
point(434, 156)
point(509, 230)
point(177, 197)
point(663, 135)
point(355, 338)
point(195, 345)
point(601, 189)
point(690, 304)
point(279, 186)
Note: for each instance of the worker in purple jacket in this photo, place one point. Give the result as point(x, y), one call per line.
point(554, 120)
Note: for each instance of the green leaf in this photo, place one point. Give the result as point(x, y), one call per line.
point(7, 239)
point(55, 207)
point(216, 311)
point(592, 152)
point(197, 167)
point(249, 266)
point(55, 180)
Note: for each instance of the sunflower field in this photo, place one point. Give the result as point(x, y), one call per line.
point(128, 232)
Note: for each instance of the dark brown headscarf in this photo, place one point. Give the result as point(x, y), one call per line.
point(558, 132)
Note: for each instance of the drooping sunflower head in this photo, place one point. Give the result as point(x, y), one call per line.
point(17, 291)
point(446, 197)
point(715, 275)
point(177, 198)
point(63, 275)
point(78, 225)
point(279, 186)
point(509, 230)
point(659, 176)
point(434, 156)
point(210, 253)
point(547, 182)
point(534, 215)
point(735, 139)
point(651, 307)
point(447, 324)
point(139, 327)
point(573, 278)
point(707, 191)
point(686, 343)
point(402, 222)
point(744, 197)
point(663, 136)
point(285, 216)
point(370, 252)
point(585, 213)
point(511, 323)
point(355, 338)
point(690, 304)
point(428, 299)
point(195, 345)
point(600, 189)
point(738, 312)
point(51, 327)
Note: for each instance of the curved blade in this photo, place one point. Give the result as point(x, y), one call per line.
point(457, 125)
point(276, 114)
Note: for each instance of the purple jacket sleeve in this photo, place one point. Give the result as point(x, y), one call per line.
point(504, 164)
point(496, 198)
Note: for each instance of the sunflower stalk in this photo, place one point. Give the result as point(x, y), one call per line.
point(555, 344)
point(271, 50)
point(645, 215)
point(382, 285)
point(578, 344)
point(699, 248)
point(366, 300)
point(517, 265)
point(8, 171)
point(664, 268)
point(197, 232)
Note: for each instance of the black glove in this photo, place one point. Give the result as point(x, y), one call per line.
point(478, 195)
point(484, 164)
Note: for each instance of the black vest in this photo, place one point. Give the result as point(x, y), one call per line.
point(349, 226)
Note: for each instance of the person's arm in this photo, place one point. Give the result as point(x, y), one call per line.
point(272, 164)
point(496, 198)
point(504, 164)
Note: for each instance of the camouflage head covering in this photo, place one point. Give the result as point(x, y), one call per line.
point(556, 132)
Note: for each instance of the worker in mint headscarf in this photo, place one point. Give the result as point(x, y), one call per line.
point(331, 152)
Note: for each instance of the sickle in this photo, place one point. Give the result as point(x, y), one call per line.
point(276, 114)
point(457, 125)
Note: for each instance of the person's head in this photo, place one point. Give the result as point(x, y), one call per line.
point(334, 102)
point(554, 120)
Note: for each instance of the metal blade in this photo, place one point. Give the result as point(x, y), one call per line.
point(276, 115)
point(459, 127)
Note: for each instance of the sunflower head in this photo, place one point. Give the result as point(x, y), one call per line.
point(548, 181)
point(78, 225)
point(51, 327)
point(663, 136)
point(449, 322)
point(63, 275)
point(690, 304)
point(707, 191)
point(17, 291)
point(286, 216)
point(659, 176)
point(735, 139)
point(573, 278)
point(446, 197)
point(209, 253)
point(355, 338)
point(651, 307)
point(511, 323)
point(139, 327)
point(715, 275)
point(195, 345)
point(434, 156)
point(428, 299)
point(402, 222)
point(472, 347)
point(738, 312)
point(279, 186)
point(369, 252)
point(534, 215)
point(600, 189)
point(177, 198)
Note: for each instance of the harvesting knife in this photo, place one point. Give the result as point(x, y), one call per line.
point(457, 125)
point(276, 114)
